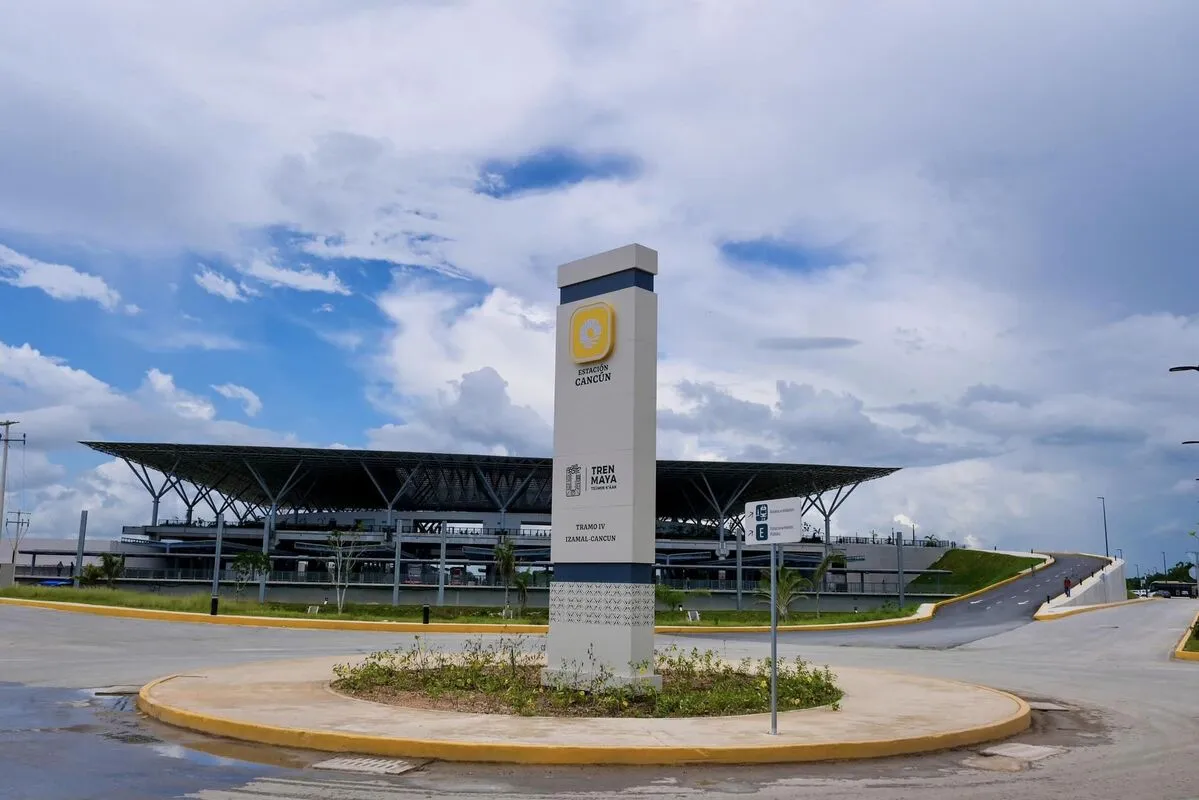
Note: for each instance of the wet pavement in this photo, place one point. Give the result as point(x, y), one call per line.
point(67, 744)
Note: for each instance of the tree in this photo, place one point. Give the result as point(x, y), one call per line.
point(505, 565)
point(247, 566)
point(112, 566)
point(791, 586)
point(90, 575)
point(521, 581)
point(817, 581)
point(346, 549)
point(667, 597)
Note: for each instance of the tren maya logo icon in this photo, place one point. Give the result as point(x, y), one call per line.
point(591, 329)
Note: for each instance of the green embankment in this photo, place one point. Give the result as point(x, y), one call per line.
point(972, 570)
point(198, 603)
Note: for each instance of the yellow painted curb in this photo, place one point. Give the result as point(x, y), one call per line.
point(1048, 616)
point(1180, 651)
point(470, 628)
point(275, 622)
point(518, 753)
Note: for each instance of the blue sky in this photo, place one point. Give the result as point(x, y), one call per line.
point(951, 240)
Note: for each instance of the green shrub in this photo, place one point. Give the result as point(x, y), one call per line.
point(505, 677)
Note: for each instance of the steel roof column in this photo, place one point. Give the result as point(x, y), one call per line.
point(722, 510)
point(828, 511)
point(268, 525)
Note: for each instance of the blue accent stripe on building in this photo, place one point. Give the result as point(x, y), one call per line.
point(607, 283)
point(604, 573)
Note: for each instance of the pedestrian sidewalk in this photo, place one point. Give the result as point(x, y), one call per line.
point(290, 704)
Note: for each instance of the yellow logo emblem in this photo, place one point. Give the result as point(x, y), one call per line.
point(591, 332)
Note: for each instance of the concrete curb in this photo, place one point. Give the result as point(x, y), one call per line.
point(1182, 654)
point(519, 753)
point(924, 613)
point(1048, 615)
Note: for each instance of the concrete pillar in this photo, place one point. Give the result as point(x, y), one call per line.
point(605, 470)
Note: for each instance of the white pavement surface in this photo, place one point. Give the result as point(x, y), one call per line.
point(1113, 664)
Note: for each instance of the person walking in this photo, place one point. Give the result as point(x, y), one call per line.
point(1068, 585)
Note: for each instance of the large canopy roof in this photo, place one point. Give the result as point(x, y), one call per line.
point(342, 479)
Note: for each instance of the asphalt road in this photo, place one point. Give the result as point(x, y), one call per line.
point(1129, 724)
point(1003, 609)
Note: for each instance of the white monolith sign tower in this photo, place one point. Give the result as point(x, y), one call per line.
point(605, 469)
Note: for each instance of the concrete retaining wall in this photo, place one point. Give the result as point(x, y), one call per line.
point(1107, 586)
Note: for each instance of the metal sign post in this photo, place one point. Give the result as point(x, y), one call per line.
point(772, 523)
point(79, 548)
point(216, 566)
point(774, 641)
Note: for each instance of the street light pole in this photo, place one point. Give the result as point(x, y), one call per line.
point(1106, 550)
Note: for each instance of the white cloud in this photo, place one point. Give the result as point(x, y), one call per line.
point(221, 286)
point(251, 403)
point(992, 250)
point(59, 281)
point(345, 339)
point(301, 280)
point(192, 339)
point(59, 405)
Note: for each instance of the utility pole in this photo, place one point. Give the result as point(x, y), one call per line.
point(20, 520)
point(441, 569)
point(1106, 550)
point(6, 437)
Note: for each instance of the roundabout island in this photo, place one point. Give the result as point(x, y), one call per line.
point(293, 704)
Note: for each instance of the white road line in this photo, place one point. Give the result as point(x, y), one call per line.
point(1022, 603)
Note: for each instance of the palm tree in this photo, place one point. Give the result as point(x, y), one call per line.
point(791, 587)
point(111, 568)
point(521, 581)
point(831, 560)
point(505, 565)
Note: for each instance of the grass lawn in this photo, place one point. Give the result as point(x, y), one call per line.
point(1193, 644)
point(198, 603)
point(974, 569)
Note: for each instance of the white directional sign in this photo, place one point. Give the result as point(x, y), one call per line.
point(775, 521)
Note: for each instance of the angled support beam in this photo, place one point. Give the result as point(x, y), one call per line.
point(827, 510)
point(486, 484)
point(722, 509)
point(502, 505)
point(407, 482)
point(156, 493)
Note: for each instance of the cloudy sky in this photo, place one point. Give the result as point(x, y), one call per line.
point(953, 237)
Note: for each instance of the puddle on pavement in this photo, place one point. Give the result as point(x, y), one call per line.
point(114, 716)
